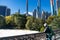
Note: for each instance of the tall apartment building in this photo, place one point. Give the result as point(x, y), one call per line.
point(4, 11)
point(57, 5)
point(26, 7)
point(38, 9)
point(34, 13)
point(52, 7)
point(8, 11)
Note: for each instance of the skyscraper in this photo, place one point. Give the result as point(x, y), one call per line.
point(47, 14)
point(52, 7)
point(26, 7)
point(19, 11)
point(8, 11)
point(4, 11)
point(38, 9)
point(43, 15)
point(57, 5)
point(34, 13)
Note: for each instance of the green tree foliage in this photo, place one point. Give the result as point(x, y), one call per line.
point(50, 19)
point(8, 19)
point(9, 22)
point(19, 20)
point(55, 24)
point(42, 29)
point(2, 21)
point(33, 23)
point(59, 12)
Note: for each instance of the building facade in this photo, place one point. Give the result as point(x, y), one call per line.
point(19, 11)
point(26, 7)
point(8, 11)
point(34, 13)
point(4, 11)
point(38, 9)
point(57, 5)
point(47, 14)
point(52, 7)
point(43, 15)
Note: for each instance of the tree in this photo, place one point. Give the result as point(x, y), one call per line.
point(9, 22)
point(50, 19)
point(55, 24)
point(33, 23)
point(2, 21)
point(19, 20)
point(59, 12)
point(29, 22)
point(8, 19)
point(42, 29)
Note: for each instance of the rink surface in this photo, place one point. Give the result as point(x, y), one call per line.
point(7, 33)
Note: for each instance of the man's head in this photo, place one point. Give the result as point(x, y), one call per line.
point(45, 24)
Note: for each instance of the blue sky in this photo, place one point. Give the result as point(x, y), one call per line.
point(14, 5)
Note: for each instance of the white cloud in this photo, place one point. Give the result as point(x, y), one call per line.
point(30, 13)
